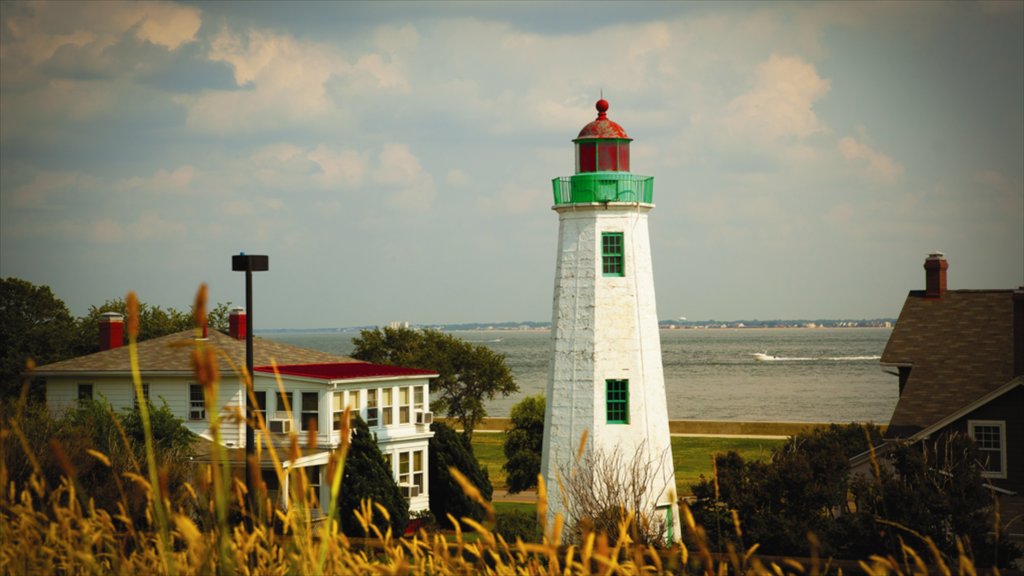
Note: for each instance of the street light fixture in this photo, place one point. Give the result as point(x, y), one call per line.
point(249, 263)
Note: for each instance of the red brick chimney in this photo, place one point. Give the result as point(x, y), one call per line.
point(237, 323)
point(111, 330)
point(935, 275)
point(1018, 331)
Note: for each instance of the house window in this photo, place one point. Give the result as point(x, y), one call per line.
point(313, 478)
point(417, 469)
point(145, 395)
point(387, 402)
point(270, 480)
point(990, 437)
point(617, 401)
point(310, 411)
point(372, 412)
point(418, 399)
point(84, 392)
point(612, 254)
point(284, 404)
point(260, 409)
point(352, 402)
point(196, 402)
point(410, 469)
point(404, 468)
point(403, 404)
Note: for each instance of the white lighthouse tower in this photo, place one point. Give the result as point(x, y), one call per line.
point(605, 377)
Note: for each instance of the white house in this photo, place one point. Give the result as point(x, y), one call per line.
point(394, 401)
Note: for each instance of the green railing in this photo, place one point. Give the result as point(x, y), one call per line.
point(603, 187)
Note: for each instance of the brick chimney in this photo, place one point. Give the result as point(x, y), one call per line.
point(111, 330)
point(1018, 331)
point(237, 323)
point(935, 275)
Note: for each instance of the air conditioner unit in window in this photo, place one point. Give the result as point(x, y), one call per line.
point(280, 425)
point(424, 417)
point(410, 490)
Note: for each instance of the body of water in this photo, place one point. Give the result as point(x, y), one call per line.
point(805, 375)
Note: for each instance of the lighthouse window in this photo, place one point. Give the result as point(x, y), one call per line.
point(612, 254)
point(617, 401)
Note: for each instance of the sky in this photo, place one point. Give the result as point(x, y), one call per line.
point(394, 160)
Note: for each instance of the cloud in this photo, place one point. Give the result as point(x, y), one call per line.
point(147, 226)
point(781, 103)
point(162, 180)
point(398, 167)
point(456, 177)
point(283, 81)
point(345, 167)
point(877, 165)
point(44, 186)
point(39, 30)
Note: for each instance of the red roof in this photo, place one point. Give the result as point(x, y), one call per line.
point(346, 371)
point(602, 127)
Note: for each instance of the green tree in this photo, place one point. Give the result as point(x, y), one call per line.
point(450, 449)
point(939, 493)
point(367, 476)
point(523, 444)
point(219, 318)
point(154, 321)
point(34, 324)
point(61, 445)
point(469, 374)
point(800, 490)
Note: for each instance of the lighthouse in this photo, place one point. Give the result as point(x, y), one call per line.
point(605, 380)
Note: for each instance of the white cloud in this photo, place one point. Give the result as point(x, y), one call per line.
point(162, 180)
point(43, 187)
point(398, 167)
point(780, 104)
point(338, 168)
point(878, 165)
point(283, 82)
point(456, 177)
point(148, 225)
point(44, 27)
point(169, 25)
point(393, 39)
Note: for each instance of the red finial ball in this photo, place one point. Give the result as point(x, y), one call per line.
point(602, 106)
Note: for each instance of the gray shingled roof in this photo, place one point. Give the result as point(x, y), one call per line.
point(960, 348)
point(173, 353)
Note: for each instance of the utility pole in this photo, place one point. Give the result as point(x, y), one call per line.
point(249, 264)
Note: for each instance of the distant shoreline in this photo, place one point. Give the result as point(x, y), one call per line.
point(670, 328)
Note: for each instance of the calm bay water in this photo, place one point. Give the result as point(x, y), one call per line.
point(818, 374)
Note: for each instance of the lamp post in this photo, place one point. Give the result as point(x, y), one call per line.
point(249, 264)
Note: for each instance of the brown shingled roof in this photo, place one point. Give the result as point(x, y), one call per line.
point(960, 347)
point(173, 353)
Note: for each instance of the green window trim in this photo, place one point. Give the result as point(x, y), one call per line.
point(613, 258)
point(617, 401)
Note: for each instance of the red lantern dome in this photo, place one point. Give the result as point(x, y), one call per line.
point(602, 145)
point(602, 127)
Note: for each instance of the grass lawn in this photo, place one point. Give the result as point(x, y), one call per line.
point(691, 455)
point(488, 451)
point(506, 507)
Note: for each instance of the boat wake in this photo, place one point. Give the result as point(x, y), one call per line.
point(766, 357)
